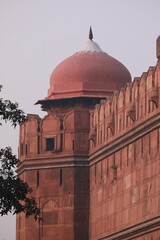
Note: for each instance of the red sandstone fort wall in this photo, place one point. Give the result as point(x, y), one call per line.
point(125, 162)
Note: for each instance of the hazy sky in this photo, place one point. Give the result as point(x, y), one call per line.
point(36, 35)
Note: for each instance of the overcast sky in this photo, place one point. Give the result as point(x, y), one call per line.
point(36, 35)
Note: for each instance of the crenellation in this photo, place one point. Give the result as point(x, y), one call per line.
point(127, 108)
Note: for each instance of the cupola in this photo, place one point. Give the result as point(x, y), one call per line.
point(90, 72)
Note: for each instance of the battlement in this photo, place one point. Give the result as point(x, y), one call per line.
point(124, 160)
point(126, 109)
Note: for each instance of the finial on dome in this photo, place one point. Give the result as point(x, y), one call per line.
point(90, 33)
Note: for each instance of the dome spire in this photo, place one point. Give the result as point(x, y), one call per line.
point(90, 33)
point(91, 46)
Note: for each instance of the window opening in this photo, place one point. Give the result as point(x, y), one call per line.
point(38, 147)
point(49, 144)
point(120, 124)
point(26, 149)
point(73, 145)
point(100, 136)
point(37, 179)
point(60, 179)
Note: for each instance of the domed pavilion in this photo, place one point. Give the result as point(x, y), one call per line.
point(89, 73)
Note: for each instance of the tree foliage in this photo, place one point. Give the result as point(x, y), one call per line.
point(14, 193)
point(9, 111)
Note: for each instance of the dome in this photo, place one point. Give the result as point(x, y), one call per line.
point(87, 73)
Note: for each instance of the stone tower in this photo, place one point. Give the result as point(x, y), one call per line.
point(53, 151)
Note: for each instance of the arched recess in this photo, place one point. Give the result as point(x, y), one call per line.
point(92, 143)
point(152, 105)
point(92, 137)
point(49, 218)
point(109, 132)
point(130, 120)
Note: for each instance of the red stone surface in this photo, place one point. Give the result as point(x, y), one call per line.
point(125, 162)
point(59, 178)
point(102, 179)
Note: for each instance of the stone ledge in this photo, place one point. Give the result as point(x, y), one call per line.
point(134, 231)
point(122, 141)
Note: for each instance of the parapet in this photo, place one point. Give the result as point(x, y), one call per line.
point(128, 107)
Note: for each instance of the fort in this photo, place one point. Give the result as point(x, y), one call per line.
point(93, 161)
